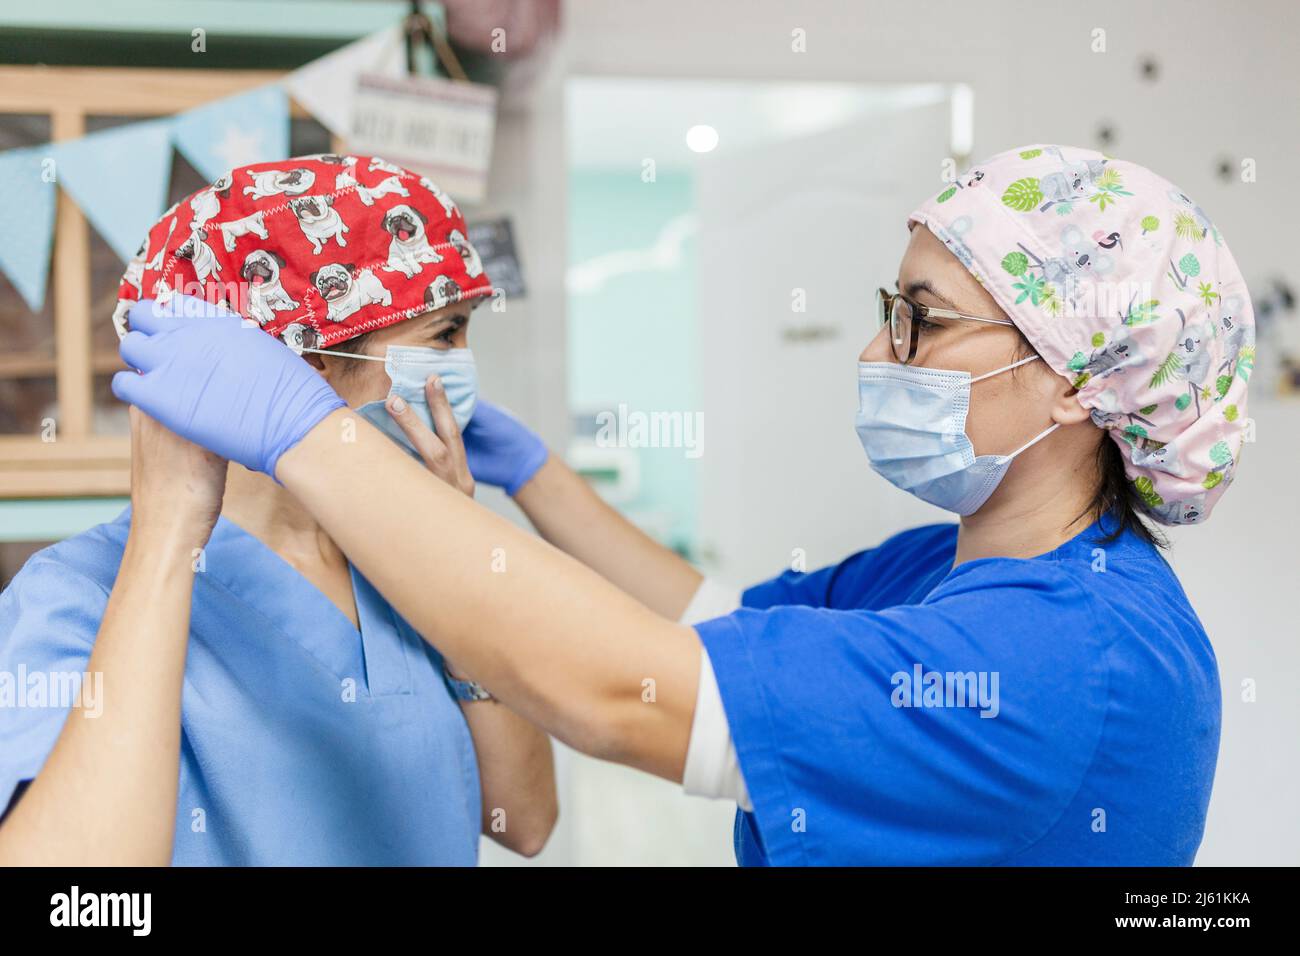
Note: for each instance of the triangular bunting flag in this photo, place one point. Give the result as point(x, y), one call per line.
point(119, 179)
point(27, 227)
point(235, 131)
point(325, 87)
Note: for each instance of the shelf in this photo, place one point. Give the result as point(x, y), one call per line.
point(45, 366)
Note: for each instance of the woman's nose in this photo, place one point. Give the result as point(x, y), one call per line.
point(879, 349)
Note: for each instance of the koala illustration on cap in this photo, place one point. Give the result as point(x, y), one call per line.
point(1115, 356)
point(1074, 181)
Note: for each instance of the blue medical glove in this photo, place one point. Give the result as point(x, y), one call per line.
point(500, 449)
point(220, 381)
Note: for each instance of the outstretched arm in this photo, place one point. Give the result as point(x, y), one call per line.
point(549, 637)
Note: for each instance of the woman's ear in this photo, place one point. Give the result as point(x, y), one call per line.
point(1067, 409)
point(316, 361)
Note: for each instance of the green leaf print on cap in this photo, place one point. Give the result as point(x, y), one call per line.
point(1167, 368)
point(1147, 492)
point(1109, 186)
point(1015, 263)
point(1023, 195)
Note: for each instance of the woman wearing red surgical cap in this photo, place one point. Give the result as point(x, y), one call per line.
point(1064, 361)
point(261, 702)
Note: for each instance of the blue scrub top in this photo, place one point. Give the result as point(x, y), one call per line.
point(857, 747)
point(304, 741)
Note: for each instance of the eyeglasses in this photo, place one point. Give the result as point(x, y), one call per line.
point(906, 316)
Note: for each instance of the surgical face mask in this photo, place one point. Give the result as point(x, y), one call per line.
point(409, 367)
point(912, 424)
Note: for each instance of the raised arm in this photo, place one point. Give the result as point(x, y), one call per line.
point(107, 793)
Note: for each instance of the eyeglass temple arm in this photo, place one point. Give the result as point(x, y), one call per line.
point(939, 313)
point(949, 314)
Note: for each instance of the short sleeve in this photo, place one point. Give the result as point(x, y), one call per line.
point(951, 732)
point(49, 616)
point(804, 588)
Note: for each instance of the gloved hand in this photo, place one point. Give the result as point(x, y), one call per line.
point(501, 450)
point(221, 383)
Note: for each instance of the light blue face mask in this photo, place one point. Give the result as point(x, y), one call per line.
point(912, 424)
point(409, 367)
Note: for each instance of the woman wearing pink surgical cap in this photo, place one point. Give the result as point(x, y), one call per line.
point(1063, 364)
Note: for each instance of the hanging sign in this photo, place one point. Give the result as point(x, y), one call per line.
point(437, 127)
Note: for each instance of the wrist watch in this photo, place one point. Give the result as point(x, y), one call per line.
point(465, 689)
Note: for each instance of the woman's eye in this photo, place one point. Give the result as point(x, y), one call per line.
point(925, 325)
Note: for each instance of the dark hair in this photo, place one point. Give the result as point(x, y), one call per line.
point(1116, 498)
point(353, 346)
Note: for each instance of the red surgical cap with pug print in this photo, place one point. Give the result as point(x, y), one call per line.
point(316, 249)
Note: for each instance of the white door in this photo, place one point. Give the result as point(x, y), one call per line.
point(823, 217)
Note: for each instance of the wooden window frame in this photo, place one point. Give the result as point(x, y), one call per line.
point(78, 462)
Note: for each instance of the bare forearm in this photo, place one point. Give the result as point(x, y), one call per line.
point(107, 792)
point(549, 637)
point(570, 515)
point(516, 776)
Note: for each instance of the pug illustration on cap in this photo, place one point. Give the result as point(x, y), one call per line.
point(274, 182)
point(410, 247)
point(196, 249)
point(298, 337)
point(249, 225)
point(319, 221)
point(448, 207)
point(473, 264)
point(442, 292)
point(266, 295)
point(345, 295)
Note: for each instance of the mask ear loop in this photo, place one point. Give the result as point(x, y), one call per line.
point(1033, 441)
point(1005, 368)
point(368, 358)
point(1041, 435)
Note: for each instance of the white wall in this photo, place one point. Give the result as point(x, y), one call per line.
point(1229, 88)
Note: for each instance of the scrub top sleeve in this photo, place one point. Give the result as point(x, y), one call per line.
point(850, 758)
point(49, 616)
point(806, 588)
